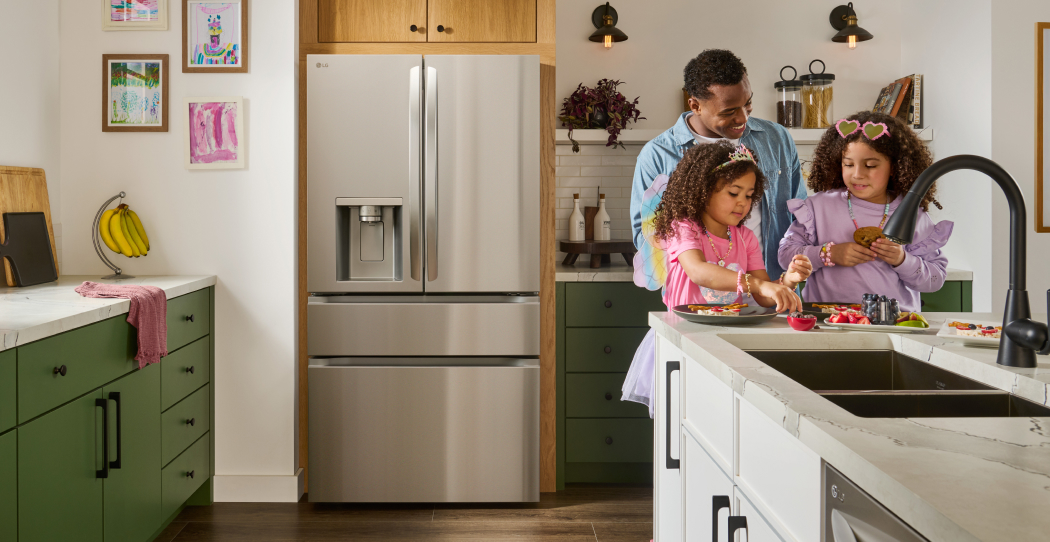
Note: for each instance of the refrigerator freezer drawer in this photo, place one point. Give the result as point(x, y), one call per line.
point(424, 434)
point(501, 328)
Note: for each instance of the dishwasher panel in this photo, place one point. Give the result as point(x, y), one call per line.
point(851, 515)
point(424, 430)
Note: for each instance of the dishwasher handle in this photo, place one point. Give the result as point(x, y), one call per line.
point(672, 366)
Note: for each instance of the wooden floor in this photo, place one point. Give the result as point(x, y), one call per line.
point(580, 513)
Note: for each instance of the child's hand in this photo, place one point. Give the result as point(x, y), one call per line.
point(850, 254)
point(798, 271)
point(888, 251)
point(784, 296)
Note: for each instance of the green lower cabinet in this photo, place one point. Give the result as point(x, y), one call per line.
point(9, 487)
point(8, 385)
point(185, 474)
point(133, 490)
point(597, 395)
point(601, 349)
point(949, 298)
point(610, 440)
point(59, 495)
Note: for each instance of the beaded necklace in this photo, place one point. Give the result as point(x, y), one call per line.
point(721, 258)
point(849, 203)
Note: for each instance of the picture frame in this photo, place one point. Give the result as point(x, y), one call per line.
point(135, 14)
point(134, 93)
point(214, 136)
point(211, 44)
point(1042, 123)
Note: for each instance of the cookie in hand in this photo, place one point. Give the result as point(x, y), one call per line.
point(866, 236)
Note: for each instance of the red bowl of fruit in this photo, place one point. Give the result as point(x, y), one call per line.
point(801, 321)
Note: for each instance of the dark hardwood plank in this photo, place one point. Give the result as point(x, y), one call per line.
point(386, 530)
point(546, 511)
point(305, 512)
point(602, 493)
point(169, 532)
point(623, 532)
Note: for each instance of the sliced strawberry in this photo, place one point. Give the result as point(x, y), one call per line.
point(989, 331)
point(852, 317)
point(863, 320)
point(962, 328)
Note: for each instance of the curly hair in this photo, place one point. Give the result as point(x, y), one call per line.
point(712, 67)
point(699, 176)
point(908, 157)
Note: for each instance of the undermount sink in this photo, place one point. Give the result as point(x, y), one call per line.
point(888, 384)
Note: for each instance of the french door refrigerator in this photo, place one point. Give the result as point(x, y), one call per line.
point(423, 187)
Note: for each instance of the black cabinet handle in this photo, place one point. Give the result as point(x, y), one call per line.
point(189, 369)
point(736, 522)
point(190, 474)
point(189, 318)
point(922, 302)
point(191, 421)
point(672, 366)
point(104, 405)
point(608, 304)
point(608, 396)
point(608, 440)
point(718, 502)
point(59, 371)
point(413, 28)
point(441, 28)
point(608, 350)
point(115, 397)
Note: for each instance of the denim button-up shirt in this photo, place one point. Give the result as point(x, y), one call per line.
point(777, 156)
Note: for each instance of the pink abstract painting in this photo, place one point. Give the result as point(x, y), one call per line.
point(134, 10)
point(213, 133)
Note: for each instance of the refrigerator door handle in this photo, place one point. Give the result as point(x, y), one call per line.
point(430, 178)
point(414, 203)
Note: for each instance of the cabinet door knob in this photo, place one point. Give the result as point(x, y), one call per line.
point(608, 350)
point(190, 474)
point(608, 440)
point(59, 371)
point(608, 304)
point(189, 369)
point(189, 318)
point(441, 28)
point(413, 28)
point(608, 396)
point(190, 422)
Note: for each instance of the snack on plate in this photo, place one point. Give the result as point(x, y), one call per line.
point(849, 317)
point(866, 236)
point(974, 330)
point(802, 315)
point(724, 310)
point(912, 319)
point(832, 308)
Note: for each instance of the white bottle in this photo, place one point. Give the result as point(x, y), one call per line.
point(577, 226)
point(602, 222)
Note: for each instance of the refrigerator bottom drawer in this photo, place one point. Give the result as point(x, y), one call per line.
point(424, 433)
point(423, 329)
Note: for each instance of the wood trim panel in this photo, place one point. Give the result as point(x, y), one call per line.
point(1040, 226)
point(479, 21)
point(381, 20)
point(543, 50)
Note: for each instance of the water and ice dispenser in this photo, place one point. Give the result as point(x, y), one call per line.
point(368, 239)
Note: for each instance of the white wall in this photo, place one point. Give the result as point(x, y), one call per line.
point(955, 57)
point(766, 34)
point(236, 224)
point(1013, 139)
point(29, 125)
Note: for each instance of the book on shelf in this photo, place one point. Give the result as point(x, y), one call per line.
point(880, 102)
point(901, 98)
point(916, 102)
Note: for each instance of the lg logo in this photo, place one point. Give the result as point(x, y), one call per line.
point(319, 65)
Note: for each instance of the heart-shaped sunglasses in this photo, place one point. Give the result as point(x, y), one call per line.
point(871, 130)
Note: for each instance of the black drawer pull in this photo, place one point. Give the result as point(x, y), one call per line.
point(441, 28)
point(189, 369)
point(608, 304)
point(413, 28)
point(104, 405)
point(608, 396)
point(59, 371)
point(189, 318)
point(608, 440)
point(737, 522)
point(190, 422)
point(189, 474)
point(608, 350)
point(115, 397)
point(718, 502)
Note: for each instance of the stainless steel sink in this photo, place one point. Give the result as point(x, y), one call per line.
point(888, 384)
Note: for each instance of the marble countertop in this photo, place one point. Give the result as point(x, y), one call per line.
point(621, 272)
point(952, 479)
point(36, 312)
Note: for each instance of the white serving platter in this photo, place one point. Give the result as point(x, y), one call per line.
point(948, 332)
point(876, 329)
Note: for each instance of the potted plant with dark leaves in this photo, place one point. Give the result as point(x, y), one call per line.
point(599, 107)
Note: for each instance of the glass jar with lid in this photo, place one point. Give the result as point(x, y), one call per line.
point(817, 97)
point(789, 99)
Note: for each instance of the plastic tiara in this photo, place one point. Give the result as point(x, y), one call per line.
point(742, 154)
point(871, 130)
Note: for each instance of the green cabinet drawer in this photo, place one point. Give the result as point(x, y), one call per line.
point(9, 487)
point(611, 440)
point(611, 304)
point(189, 318)
point(598, 396)
point(7, 390)
point(601, 349)
point(91, 355)
point(184, 423)
point(947, 299)
point(184, 475)
point(183, 371)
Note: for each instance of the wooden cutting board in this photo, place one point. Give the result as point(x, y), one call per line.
point(24, 190)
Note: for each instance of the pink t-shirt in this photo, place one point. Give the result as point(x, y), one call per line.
point(745, 256)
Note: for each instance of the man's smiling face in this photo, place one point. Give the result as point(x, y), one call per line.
point(725, 113)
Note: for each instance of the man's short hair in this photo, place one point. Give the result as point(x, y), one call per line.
point(712, 67)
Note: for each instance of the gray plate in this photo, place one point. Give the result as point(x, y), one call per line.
point(748, 315)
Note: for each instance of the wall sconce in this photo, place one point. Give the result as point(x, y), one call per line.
point(844, 19)
point(604, 19)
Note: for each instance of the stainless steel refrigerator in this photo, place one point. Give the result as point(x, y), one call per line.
point(423, 184)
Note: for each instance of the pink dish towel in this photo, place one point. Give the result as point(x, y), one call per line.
point(149, 313)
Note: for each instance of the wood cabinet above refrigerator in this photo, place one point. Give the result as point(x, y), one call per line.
point(435, 21)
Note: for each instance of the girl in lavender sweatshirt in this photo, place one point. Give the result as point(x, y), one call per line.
point(861, 169)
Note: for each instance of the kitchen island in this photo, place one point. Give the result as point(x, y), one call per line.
point(729, 424)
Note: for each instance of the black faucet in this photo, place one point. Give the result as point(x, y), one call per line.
point(1021, 337)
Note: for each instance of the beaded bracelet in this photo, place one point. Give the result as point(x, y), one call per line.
point(747, 281)
point(825, 254)
point(781, 279)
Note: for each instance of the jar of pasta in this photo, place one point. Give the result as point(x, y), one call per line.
point(789, 100)
point(817, 97)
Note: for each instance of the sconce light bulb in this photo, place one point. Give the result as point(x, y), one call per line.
point(608, 42)
point(853, 42)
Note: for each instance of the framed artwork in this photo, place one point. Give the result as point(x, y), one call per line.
point(214, 137)
point(214, 36)
point(1042, 124)
point(134, 93)
point(134, 15)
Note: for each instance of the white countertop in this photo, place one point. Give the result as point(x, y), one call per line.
point(35, 312)
point(953, 479)
point(621, 272)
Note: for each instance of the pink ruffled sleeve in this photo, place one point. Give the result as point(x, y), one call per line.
point(687, 237)
point(801, 236)
point(925, 268)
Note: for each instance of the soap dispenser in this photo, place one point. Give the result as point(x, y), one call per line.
point(577, 226)
point(602, 222)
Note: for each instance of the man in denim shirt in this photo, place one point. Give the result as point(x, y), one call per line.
point(720, 108)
